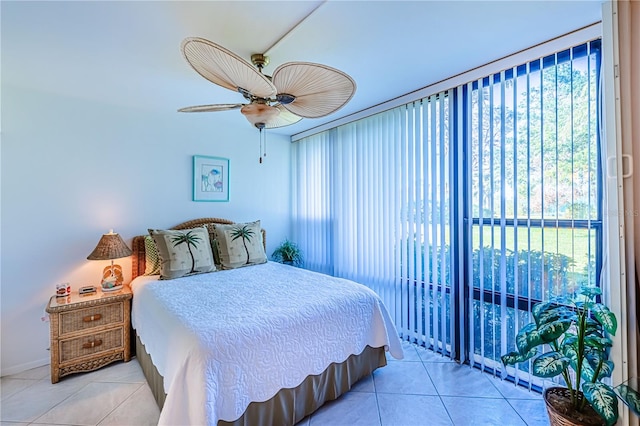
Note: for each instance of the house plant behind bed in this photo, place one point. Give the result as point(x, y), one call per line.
point(576, 330)
point(288, 253)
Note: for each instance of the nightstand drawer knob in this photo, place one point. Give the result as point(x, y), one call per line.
point(94, 317)
point(92, 344)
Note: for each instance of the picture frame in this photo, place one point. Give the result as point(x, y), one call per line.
point(210, 178)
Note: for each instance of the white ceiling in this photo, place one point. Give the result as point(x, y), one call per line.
point(127, 53)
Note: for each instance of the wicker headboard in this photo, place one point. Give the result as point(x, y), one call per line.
point(139, 259)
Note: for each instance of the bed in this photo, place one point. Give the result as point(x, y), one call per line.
point(265, 344)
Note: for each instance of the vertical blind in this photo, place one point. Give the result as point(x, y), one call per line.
point(465, 208)
point(534, 216)
point(372, 203)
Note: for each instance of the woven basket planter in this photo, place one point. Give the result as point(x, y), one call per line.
point(562, 417)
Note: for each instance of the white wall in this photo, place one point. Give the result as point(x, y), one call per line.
point(73, 168)
point(91, 140)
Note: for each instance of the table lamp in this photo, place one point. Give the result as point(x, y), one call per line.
point(111, 246)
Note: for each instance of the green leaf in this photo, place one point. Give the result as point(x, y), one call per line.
point(592, 324)
point(603, 399)
point(539, 308)
point(557, 313)
point(550, 364)
point(528, 337)
point(594, 358)
point(593, 355)
point(605, 317)
point(511, 358)
point(630, 397)
point(514, 357)
point(587, 372)
point(598, 342)
point(606, 370)
point(593, 332)
point(570, 339)
point(551, 331)
point(550, 311)
point(570, 352)
point(590, 292)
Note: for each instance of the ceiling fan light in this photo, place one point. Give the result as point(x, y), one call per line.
point(259, 113)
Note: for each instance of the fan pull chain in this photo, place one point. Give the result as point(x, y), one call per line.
point(263, 153)
point(260, 139)
point(260, 158)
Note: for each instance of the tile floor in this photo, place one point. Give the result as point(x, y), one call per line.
point(423, 389)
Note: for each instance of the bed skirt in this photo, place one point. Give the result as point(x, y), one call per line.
point(288, 406)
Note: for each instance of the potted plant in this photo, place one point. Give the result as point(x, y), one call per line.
point(575, 328)
point(288, 253)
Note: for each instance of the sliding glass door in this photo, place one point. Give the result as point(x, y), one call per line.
point(533, 183)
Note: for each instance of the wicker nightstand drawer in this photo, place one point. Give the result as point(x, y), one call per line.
point(91, 344)
point(89, 332)
point(84, 319)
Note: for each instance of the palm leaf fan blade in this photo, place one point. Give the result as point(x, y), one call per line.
point(285, 118)
point(319, 90)
point(224, 68)
point(211, 108)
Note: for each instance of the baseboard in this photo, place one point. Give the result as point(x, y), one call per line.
point(24, 367)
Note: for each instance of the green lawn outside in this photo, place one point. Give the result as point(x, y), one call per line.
point(573, 243)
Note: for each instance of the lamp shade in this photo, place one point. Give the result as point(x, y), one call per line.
point(111, 246)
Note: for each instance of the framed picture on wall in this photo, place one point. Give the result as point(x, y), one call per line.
point(210, 178)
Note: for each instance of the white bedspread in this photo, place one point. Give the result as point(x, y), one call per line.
point(224, 339)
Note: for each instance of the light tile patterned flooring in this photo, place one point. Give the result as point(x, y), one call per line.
point(423, 389)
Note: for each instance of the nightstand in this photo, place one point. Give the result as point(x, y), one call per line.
point(89, 331)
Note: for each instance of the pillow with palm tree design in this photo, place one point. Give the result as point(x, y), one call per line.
point(239, 244)
point(183, 252)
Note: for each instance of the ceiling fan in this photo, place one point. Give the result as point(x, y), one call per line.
point(295, 90)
